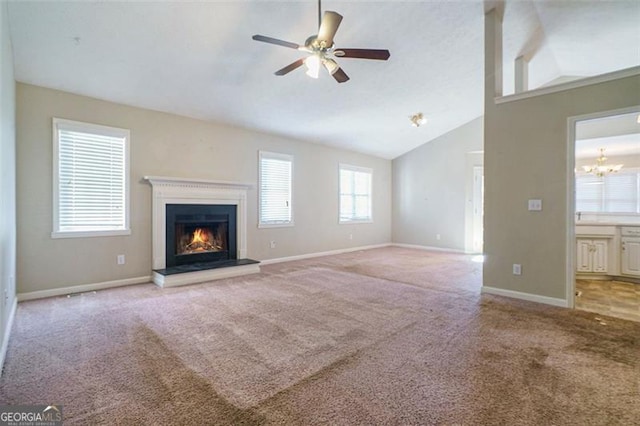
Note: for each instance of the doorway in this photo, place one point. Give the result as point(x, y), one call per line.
point(605, 212)
point(478, 208)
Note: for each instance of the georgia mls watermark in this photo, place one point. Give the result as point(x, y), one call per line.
point(30, 415)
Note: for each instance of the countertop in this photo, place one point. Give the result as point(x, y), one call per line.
point(589, 223)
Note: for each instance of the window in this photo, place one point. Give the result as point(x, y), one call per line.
point(614, 193)
point(91, 180)
point(275, 171)
point(355, 194)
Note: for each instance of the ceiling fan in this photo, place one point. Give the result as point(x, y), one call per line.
point(321, 49)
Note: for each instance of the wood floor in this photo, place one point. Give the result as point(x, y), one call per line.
point(613, 298)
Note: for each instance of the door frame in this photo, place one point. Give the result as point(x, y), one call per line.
point(571, 249)
point(477, 202)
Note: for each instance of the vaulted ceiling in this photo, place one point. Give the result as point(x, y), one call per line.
point(197, 59)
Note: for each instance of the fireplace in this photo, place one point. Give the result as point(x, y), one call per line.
point(199, 230)
point(200, 233)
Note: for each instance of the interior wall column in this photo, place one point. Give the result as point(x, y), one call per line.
point(493, 52)
point(521, 74)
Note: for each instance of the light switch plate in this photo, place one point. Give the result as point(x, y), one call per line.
point(535, 205)
point(517, 269)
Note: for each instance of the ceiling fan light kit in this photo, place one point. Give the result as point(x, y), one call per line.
point(331, 65)
point(313, 66)
point(321, 49)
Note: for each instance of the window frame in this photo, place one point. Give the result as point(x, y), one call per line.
point(276, 156)
point(71, 125)
point(352, 168)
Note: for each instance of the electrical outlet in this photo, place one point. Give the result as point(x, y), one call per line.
point(517, 269)
point(121, 259)
point(351, 236)
point(438, 237)
point(272, 244)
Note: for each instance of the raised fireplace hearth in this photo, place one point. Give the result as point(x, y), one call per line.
point(198, 230)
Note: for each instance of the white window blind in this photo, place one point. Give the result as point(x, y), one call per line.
point(355, 194)
point(613, 193)
point(621, 193)
point(588, 193)
point(91, 180)
point(276, 172)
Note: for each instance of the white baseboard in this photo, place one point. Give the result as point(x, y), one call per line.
point(612, 277)
point(7, 332)
point(593, 277)
point(82, 288)
point(419, 247)
point(322, 253)
point(525, 296)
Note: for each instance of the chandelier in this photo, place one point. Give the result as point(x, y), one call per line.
point(601, 168)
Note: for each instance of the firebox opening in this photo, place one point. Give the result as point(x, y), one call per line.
point(200, 233)
point(192, 239)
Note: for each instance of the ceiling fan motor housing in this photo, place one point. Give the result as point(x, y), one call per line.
point(316, 45)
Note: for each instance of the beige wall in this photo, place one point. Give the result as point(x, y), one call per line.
point(432, 189)
point(169, 145)
point(7, 177)
point(526, 154)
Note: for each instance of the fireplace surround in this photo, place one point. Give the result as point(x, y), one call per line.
point(203, 207)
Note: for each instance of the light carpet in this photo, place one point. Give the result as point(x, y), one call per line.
point(383, 336)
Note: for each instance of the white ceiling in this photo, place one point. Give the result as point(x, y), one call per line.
point(197, 59)
point(614, 146)
point(618, 134)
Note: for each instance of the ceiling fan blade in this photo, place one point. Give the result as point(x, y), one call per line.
point(340, 76)
point(329, 27)
point(379, 54)
point(290, 67)
point(272, 40)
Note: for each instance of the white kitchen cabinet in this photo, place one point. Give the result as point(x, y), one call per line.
point(592, 255)
point(630, 261)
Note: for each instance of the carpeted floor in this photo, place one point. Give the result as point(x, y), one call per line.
point(384, 336)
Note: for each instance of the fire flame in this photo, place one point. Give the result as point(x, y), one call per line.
point(200, 240)
point(199, 236)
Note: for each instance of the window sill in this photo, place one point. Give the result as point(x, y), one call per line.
point(347, 222)
point(88, 234)
point(276, 225)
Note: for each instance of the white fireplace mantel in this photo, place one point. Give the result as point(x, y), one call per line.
point(157, 181)
point(171, 190)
